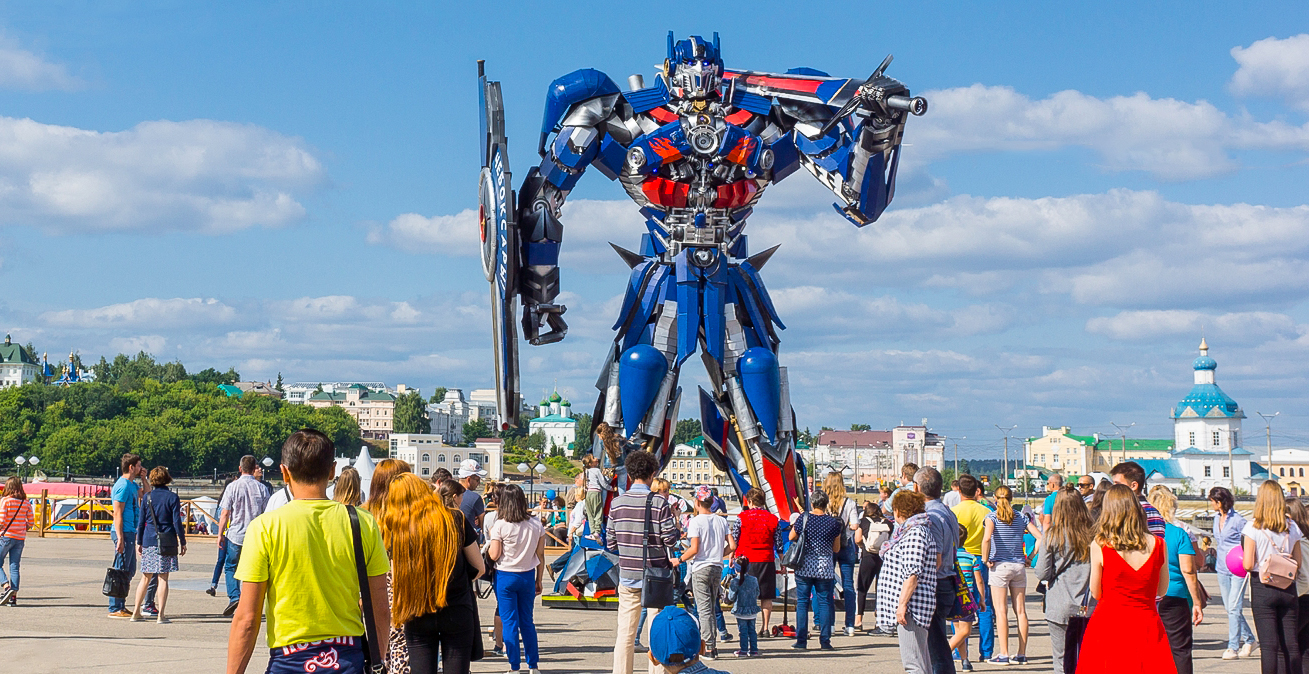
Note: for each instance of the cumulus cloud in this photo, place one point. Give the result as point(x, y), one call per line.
point(198, 175)
point(153, 344)
point(1171, 139)
point(1274, 67)
point(1241, 327)
point(22, 69)
point(444, 234)
point(150, 313)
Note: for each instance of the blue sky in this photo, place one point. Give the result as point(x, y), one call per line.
point(284, 187)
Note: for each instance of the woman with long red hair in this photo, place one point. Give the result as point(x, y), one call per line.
point(434, 556)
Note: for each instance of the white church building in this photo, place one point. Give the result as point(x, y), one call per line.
point(1207, 433)
point(556, 423)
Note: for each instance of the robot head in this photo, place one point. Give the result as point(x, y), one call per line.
point(694, 67)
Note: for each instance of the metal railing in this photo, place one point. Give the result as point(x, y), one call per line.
point(62, 516)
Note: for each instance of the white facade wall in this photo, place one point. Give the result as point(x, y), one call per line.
point(17, 374)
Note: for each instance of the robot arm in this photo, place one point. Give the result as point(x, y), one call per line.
point(579, 107)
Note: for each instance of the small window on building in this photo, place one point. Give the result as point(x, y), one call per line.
point(456, 458)
point(1227, 471)
point(1282, 472)
point(425, 472)
point(1208, 471)
point(426, 458)
point(1301, 472)
point(440, 458)
point(1191, 440)
point(1217, 435)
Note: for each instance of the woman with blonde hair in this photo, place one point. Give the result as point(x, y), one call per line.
point(1127, 562)
point(1063, 561)
point(1003, 554)
point(383, 474)
point(1273, 603)
point(434, 557)
point(1180, 606)
point(847, 557)
point(347, 488)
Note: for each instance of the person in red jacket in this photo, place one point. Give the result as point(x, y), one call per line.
point(756, 541)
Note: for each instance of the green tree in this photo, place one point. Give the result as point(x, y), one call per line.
point(438, 395)
point(686, 431)
point(583, 442)
point(536, 442)
point(278, 385)
point(411, 414)
point(477, 428)
point(860, 427)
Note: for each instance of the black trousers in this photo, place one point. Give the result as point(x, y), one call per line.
point(1176, 615)
point(869, 566)
point(1276, 619)
point(1303, 627)
point(938, 638)
point(452, 631)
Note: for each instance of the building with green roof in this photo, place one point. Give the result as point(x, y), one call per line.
point(17, 365)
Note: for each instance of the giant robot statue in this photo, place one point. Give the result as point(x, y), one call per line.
point(695, 152)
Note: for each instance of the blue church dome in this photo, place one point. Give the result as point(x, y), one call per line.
point(1205, 363)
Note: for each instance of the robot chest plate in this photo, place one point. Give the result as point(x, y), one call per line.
point(699, 161)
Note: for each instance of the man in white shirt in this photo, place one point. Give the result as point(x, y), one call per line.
point(953, 498)
point(709, 541)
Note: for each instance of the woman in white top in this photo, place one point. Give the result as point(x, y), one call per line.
point(1276, 610)
point(516, 543)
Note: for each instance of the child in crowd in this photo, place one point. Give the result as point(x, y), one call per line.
point(675, 643)
point(743, 592)
point(596, 486)
point(971, 565)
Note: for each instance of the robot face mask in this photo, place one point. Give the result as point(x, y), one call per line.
point(696, 69)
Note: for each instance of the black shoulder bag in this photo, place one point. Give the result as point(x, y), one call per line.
point(372, 651)
point(792, 557)
point(657, 584)
point(168, 545)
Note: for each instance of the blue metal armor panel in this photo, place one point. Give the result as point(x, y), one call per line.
point(762, 383)
point(572, 88)
point(640, 371)
point(649, 98)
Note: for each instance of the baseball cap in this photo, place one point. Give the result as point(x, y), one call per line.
point(674, 637)
point(703, 492)
point(470, 467)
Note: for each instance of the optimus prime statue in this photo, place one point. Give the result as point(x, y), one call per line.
point(695, 151)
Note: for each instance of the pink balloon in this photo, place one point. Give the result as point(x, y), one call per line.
point(1236, 561)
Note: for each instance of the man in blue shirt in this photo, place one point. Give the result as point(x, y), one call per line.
point(127, 511)
point(944, 526)
point(1053, 484)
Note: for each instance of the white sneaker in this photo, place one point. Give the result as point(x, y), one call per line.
point(1246, 650)
point(1230, 654)
point(849, 631)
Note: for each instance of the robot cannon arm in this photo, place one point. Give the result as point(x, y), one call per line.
point(541, 234)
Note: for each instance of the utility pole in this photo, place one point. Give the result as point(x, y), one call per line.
point(1004, 469)
point(956, 455)
point(1268, 426)
point(856, 467)
point(1122, 430)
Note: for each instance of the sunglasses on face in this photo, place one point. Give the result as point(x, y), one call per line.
point(1084, 485)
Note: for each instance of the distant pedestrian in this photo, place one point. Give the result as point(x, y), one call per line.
point(972, 515)
point(347, 489)
point(1063, 562)
point(970, 566)
point(163, 540)
point(816, 575)
point(127, 510)
point(470, 475)
point(451, 493)
point(874, 530)
point(516, 543)
point(638, 548)
point(436, 558)
point(720, 506)
point(385, 471)
point(909, 563)
point(756, 534)
point(907, 472)
point(1097, 501)
point(440, 475)
point(1052, 484)
point(708, 542)
point(1131, 473)
point(1086, 488)
point(675, 644)
point(16, 515)
point(1273, 602)
point(300, 561)
point(743, 595)
point(1179, 608)
point(1128, 574)
point(1228, 525)
point(597, 486)
point(844, 509)
point(243, 501)
point(1003, 554)
point(953, 497)
point(221, 562)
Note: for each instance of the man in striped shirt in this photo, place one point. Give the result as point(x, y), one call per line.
point(1132, 474)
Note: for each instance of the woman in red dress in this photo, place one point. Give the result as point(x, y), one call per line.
point(1128, 572)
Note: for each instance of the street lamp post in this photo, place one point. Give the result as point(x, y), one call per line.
point(847, 473)
point(20, 460)
point(1004, 469)
point(1268, 426)
point(1122, 430)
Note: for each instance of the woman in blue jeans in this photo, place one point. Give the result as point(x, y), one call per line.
point(516, 543)
point(1227, 536)
point(816, 572)
point(847, 558)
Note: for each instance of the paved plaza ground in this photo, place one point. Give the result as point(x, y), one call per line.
point(60, 626)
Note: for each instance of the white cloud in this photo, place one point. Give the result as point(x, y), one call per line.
point(150, 312)
point(444, 234)
point(1274, 67)
point(198, 175)
point(1240, 327)
point(1172, 139)
point(152, 344)
point(22, 69)
point(827, 314)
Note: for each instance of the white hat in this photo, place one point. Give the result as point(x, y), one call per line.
point(469, 468)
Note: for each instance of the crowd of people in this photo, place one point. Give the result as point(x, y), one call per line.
point(343, 580)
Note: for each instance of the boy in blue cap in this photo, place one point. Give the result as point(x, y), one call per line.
point(675, 643)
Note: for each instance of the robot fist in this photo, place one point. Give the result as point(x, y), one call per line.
point(537, 317)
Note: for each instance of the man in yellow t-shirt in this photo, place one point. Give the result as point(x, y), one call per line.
point(301, 558)
point(971, 515)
